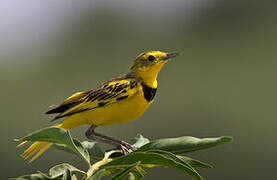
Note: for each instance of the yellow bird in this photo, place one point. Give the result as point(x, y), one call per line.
point(118, 100)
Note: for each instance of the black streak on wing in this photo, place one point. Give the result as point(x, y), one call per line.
point(71, 113)
point(101, 104)
point(93, 94)
point(62, 108)
point(104, 97)
point(149, 93)
point(106, 92)
point(120, 87)
point(121, 98)
point(133, 84)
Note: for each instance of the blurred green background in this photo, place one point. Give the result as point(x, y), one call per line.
point(223, 84)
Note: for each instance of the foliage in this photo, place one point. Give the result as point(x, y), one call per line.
point(157, 153)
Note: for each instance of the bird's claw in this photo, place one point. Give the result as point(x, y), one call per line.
point(126, 147)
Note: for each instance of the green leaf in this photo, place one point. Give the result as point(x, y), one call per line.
point(59, 136)
point(94, 150)
point(37, 176)
point(64, 148)
point(67, 175)
point(184, 144)
point(138, 175)
point(140, 170)
point(58, 170)
point(172, 156)
point(189, 161)
point(139, 141)
point(195, 163)
point(151, 158)
point(61, 171)
point(124, 172)
point(97, 175)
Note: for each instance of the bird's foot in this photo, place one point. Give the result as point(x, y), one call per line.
point(126, 147)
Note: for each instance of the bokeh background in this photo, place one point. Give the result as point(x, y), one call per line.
point(223, 84)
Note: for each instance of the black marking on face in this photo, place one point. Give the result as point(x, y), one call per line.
point(121, 98)
point(148, 92)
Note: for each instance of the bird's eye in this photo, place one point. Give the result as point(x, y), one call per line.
point(151, 58)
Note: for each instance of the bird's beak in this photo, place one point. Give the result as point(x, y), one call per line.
point(170, 55)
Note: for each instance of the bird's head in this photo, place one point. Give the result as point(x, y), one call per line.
point(148, 65)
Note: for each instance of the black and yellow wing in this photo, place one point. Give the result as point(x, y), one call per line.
point(110, 92)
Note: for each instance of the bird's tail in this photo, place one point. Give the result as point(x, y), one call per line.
point(38, 147)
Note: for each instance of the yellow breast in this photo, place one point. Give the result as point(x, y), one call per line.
point(120, 112)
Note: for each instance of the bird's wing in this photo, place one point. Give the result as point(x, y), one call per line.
point(70, 102)
point(109, 92)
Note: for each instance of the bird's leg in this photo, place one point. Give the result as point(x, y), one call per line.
point(90, 134)
point(124, 146)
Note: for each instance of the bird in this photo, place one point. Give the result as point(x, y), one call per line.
point(118, 100)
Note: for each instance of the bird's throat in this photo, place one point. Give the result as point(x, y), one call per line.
point(150, 81)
